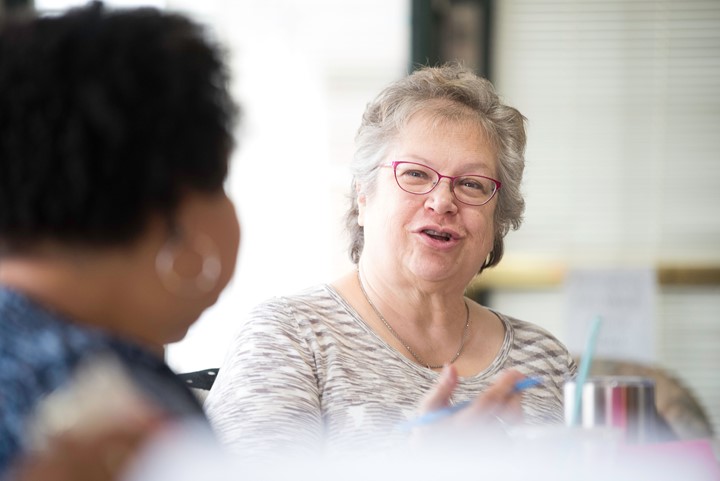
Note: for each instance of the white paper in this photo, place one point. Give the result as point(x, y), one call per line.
point(625, 299)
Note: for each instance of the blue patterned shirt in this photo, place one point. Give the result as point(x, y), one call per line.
point(39, 352)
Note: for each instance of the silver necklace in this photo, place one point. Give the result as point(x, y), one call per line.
point(405, 344)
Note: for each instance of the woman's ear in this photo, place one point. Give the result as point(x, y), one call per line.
point(199, 253)
point(361, 200)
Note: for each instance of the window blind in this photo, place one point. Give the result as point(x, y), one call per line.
point(623, 157)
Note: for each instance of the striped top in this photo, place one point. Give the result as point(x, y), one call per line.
point(306, 371)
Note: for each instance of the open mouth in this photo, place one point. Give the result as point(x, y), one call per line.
point(441, 236)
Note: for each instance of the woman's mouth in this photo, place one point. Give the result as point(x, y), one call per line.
point(441, 236)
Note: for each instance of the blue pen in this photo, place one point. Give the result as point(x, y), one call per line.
point(434, 416)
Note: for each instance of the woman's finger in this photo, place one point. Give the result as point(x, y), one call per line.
point(501, 395)
point(439, 396)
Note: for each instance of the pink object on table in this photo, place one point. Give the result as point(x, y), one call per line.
point(695, 459)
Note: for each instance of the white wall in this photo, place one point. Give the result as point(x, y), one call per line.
point(303, 74)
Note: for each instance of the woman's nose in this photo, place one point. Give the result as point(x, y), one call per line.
point(441, 199)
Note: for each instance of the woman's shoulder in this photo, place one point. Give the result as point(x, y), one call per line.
point(529, 341)
point(314, 308)
point(314, 300)
point(524, 331)
point(536, 352)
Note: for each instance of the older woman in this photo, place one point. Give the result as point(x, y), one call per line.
point(115, 231)
point(436, 187)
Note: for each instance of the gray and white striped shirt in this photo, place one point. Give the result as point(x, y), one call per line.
point(306, 371)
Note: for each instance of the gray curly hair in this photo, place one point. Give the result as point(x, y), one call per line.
point(452, 92)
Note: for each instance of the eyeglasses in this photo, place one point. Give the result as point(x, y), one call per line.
point(420, 179)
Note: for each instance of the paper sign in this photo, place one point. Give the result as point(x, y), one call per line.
point(625, 300)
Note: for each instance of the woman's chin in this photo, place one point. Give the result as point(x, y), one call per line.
point(177, 334)
point(443, 272)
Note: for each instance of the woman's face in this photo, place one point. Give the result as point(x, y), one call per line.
point(401, 229)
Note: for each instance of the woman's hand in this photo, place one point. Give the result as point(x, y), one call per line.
point(488, 414)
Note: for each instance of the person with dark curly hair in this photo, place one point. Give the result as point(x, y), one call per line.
point(116, 128)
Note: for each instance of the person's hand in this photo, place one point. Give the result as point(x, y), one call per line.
point(500, 400)
point(488, 414)
point(102, 454)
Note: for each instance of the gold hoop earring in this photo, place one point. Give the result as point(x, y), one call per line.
point(204, 282)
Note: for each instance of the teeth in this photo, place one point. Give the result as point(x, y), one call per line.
point(435, 233)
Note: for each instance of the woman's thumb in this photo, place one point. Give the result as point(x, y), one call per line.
point(439, 396)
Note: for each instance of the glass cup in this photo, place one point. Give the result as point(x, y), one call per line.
point(626, 403)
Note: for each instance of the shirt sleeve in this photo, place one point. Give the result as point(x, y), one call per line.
point(266, 396)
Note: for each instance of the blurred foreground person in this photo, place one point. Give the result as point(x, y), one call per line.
point(116, 127)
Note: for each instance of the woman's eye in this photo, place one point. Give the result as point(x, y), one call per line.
point(418, 174)
point(472, 184)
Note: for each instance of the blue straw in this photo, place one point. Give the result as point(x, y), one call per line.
point(434, 416)
point(584, 368)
